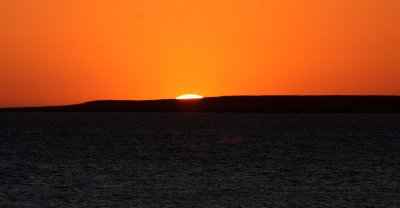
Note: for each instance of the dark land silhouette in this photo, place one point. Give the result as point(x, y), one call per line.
point(270, 104)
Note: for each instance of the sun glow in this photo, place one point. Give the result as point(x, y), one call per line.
point(189, 96)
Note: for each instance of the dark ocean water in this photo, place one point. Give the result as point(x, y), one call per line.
point(199, 160)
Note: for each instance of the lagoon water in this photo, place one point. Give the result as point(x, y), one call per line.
point(199, 160)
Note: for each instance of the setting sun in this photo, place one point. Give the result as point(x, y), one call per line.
point(189, 96)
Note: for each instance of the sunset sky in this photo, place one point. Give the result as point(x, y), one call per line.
point(55, 52)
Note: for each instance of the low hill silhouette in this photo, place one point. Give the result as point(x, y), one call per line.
point(271, 104)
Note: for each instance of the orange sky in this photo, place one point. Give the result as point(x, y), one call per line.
point(65, 51)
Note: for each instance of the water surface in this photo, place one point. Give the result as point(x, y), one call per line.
point(199, 160)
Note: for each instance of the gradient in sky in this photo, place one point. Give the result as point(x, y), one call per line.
point(65, 51)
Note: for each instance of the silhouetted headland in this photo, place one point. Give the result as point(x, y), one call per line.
point(270, 104)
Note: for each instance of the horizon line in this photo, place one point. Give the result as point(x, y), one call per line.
point(222, 96)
